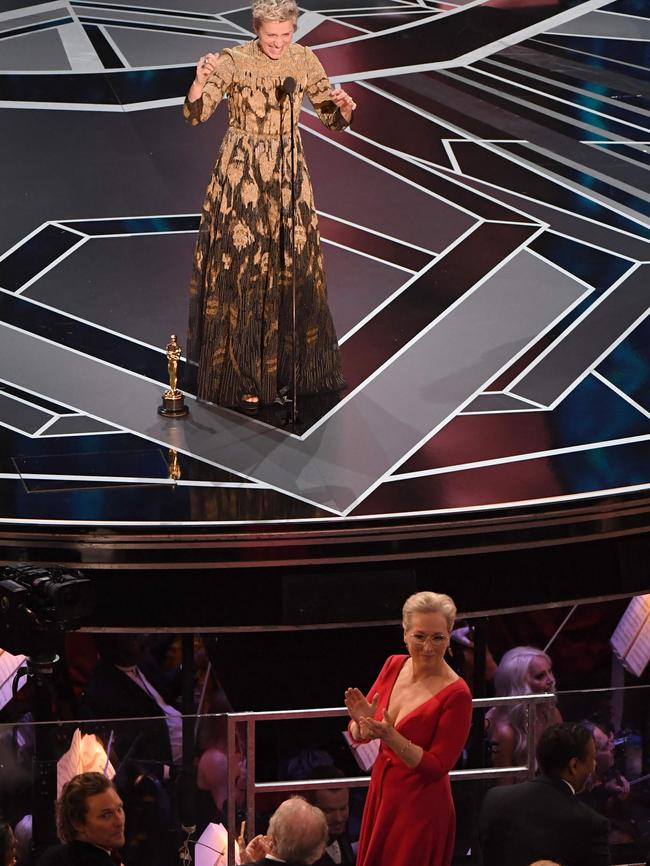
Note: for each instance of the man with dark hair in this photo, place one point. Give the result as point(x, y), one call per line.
point(90, 823)
point(334, 803)
point(125, 684)
point(542, 819)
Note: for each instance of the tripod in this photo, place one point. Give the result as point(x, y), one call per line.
point(40, 682)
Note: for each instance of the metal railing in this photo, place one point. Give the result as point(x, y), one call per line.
point(251, 719)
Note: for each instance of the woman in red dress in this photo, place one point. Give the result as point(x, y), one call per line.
point(421, 711)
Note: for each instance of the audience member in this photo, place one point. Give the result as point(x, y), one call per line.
point(212, 770)
point(302, 764)
point(607, 789)
point(127, 685)
point(334, 803)
point(16, 772)
point(7, 845)
point(297, 835)
point(605, 775)
point(462, 660)
point(523, 670)
point(166, 651)
point(90, 823)
point(543, 818)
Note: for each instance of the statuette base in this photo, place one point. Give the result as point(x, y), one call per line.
point(173, 405)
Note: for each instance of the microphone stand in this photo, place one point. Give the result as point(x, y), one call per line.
point(289, 87)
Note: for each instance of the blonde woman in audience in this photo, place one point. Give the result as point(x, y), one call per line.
point(523, 670)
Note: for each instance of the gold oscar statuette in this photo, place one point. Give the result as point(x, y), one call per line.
point(173, 401)
point(173, 466)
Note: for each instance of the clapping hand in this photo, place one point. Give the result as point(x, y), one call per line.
point(257, 849)
point(371, 729)
point(205, 67)
point(358, 706)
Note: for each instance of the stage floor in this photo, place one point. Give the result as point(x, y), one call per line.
point(487, 243)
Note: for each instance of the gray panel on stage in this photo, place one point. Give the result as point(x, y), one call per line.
point(136, 285)
point(13, 22)
point(499, 402)
point(33, 51)
point(357, 285)
point(607, 25)
point(204, 7)
point(143, 47)
point(594, 336)
point(21, 416)
point(77, 425)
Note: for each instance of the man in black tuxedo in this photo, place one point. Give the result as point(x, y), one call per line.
point(297, 836)
point(90, 823)
point(542, 819)
point(125, 684)
point(334, 803)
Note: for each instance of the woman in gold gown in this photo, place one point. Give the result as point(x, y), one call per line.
point(240, 293)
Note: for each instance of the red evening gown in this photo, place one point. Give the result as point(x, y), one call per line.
point(409, 815)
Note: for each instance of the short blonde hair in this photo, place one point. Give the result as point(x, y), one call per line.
point(429, 602)
point(274, 10)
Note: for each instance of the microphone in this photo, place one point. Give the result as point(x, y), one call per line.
point(288, 86)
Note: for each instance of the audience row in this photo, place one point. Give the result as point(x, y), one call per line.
point(417, 713)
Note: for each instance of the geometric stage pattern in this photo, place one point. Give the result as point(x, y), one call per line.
point(487, 242)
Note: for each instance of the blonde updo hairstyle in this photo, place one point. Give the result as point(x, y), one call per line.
point(429, 602)
point(274, 10)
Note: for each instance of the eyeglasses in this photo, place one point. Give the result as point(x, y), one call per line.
point(421, 639)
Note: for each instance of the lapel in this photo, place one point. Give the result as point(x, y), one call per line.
point(130, 689)
point(347, 854)
point(85, 853)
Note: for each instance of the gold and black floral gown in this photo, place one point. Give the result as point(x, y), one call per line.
point(240, 292)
